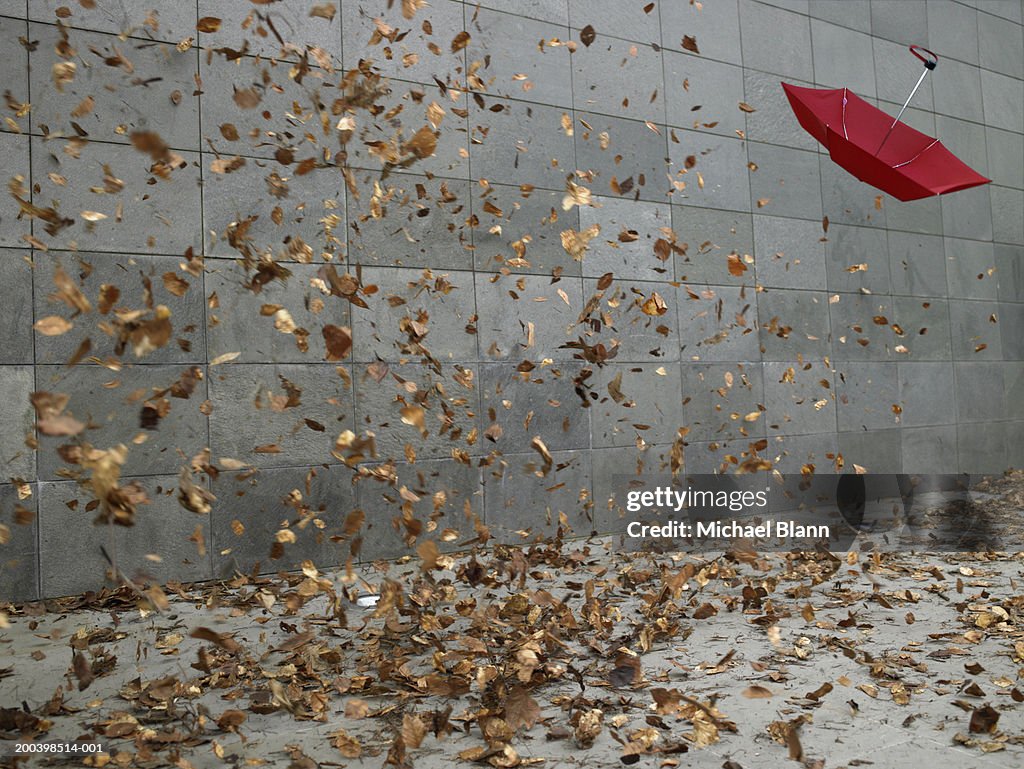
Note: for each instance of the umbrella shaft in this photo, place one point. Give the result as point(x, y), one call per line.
point(902, 110)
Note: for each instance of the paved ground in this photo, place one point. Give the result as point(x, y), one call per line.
point(577, 656)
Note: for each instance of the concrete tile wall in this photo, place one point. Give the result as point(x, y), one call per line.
point(890, 339)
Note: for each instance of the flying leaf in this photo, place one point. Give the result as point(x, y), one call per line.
point(521, 709)
point(52, 325)
point(338, 340)
point(460, 41)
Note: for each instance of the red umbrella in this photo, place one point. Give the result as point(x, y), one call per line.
point(877, 149)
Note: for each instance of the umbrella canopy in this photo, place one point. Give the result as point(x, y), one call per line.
point(888, 155)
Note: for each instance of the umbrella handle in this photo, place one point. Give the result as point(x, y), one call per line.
point(929, 63)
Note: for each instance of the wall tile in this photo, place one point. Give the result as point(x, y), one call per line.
point(855, 14)
point(265, 208)
point(423, 223)
point(841, 60)
point(640, 337)
point(629, 231)
point(156, 549)
point(856, 259)
point(958, 91)
point(701, 92)
point(168, 20)
point(1005, 157)
point(112, 404)
point(510, 303)
point(953, 29)
point(245, 319)
point(122, 104)
point(904, 21)
point(555, 11)
point(917, 263)
point(971, 269)
point(498, 43)
point(442, 304)
point(623, 18)
point(720, 401)
point(866, 394)
point(130, 275)
point(773, 121)
point(19, 558)
point(544, 402)
point(979, 391)
point(451, 409)
point(720, 163)
point(15, 151)
point(16, 76)
point(649, 410)
point(622, 78)
point(161, 217)
point(253, 505)
point(634, 152)
point(927, 394)
point(786, 182)
point(711, 236)
point(243, 25)
point(929, 449)
point(974, 329)
point(1002, 48)
point(16, 423)
point(794, 323)
point(417, 53)
point(520, 144)
point(720, 324)
point(926, 330)
point(798, 400)
point(521, 230)
point(789, 253)
point(775, 40)
point(715, 25)
point(252, 420)
point(982, 447)
point(445, 491)
point(524, 504)
point(1010, 264)
point(16, 300)
point(1007, 224)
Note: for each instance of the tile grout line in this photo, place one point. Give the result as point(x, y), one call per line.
point(472, 187)
point(159, 41)
point(750, 194)
point(672, 213)
point(575, 168)
point(831, 367)
point(205, 367)
point(32, 331)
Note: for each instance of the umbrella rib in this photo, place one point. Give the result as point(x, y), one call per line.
point(845, 134)
point(919, 154)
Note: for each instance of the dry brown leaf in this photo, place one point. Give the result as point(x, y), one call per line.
point(460, 41)
point(52, 325)
point(338, 340)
